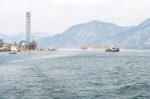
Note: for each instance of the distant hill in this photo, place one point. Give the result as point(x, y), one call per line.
point(101, 34)
point(22, 36)
point(2, 36)
point(139, 36)
point(94, 33)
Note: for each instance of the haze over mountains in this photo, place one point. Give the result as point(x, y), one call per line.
point(94, 34)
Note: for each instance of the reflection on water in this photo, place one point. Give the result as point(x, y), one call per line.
point(75, 75)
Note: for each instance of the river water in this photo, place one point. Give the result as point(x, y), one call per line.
point(75, 75)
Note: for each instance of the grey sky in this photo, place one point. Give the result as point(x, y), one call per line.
point(55, 16)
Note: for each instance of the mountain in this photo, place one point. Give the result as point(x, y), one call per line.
point(22, 36)
point(2, 36)
point(101, 34)
point(94, 33)
point(139, 36)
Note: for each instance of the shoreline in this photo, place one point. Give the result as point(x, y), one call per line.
point(89, 49)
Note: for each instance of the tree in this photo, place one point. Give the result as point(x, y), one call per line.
point(32, 45)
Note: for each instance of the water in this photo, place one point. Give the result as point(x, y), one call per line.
point(75, 75)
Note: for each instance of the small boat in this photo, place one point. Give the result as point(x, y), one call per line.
point(113, 49)
point(52, 49)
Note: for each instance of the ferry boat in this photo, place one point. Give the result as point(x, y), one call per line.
point(113, 49)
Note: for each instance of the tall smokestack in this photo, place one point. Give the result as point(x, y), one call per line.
point(28, 27)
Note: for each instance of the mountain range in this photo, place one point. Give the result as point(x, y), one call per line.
point(101, 34)
point(97, 34)
point(22, 36)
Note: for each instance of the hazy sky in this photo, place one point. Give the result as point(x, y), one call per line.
point(55, 16)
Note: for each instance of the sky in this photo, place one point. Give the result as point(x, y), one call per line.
point(55, 16)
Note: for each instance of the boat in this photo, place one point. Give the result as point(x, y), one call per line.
point(113, 49)
point(52, 49)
